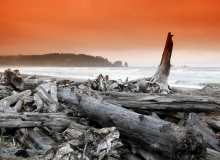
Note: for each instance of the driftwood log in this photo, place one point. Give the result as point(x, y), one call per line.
point(51, 103)
point(14, 78)
point(158, 83)
point(212, 121)
point(35, 139)
point(27, 120)
point(5, 103)
point(164, 139)
point(173, 105)
point(208, 135)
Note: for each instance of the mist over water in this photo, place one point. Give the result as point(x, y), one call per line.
point(189, 77)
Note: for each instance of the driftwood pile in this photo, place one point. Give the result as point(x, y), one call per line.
point(142, 119)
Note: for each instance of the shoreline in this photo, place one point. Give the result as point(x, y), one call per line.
point(184, 89)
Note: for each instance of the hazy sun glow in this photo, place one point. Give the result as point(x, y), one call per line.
point(130, 30)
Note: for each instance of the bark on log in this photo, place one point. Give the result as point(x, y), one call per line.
point(174, 105)
point(164, 139)
point(208, 135)
point(162, 73)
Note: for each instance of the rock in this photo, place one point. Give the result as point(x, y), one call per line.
point(118, 64)
point(126, 64)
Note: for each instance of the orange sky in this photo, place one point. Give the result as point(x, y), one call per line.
point(128, 30)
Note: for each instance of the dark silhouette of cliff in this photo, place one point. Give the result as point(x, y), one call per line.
point(58, 59)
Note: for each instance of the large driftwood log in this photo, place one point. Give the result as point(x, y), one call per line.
point(174, 105)
point(162, 73)
point(164, 139)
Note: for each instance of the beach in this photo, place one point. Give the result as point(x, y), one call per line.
point(62, 103)
point(184, 77)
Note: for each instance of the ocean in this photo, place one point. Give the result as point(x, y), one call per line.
point(189, 77)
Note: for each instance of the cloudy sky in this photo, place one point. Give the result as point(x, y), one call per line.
point(130, 30)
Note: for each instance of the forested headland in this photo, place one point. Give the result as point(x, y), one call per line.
point(58, 59)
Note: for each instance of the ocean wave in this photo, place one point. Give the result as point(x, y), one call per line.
point(190, 83)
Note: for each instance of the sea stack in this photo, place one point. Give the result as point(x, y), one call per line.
point(126, 64)
point(118, 64)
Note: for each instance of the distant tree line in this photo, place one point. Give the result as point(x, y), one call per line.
point(58, 59)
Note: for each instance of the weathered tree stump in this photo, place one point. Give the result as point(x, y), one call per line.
point(162, 73)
